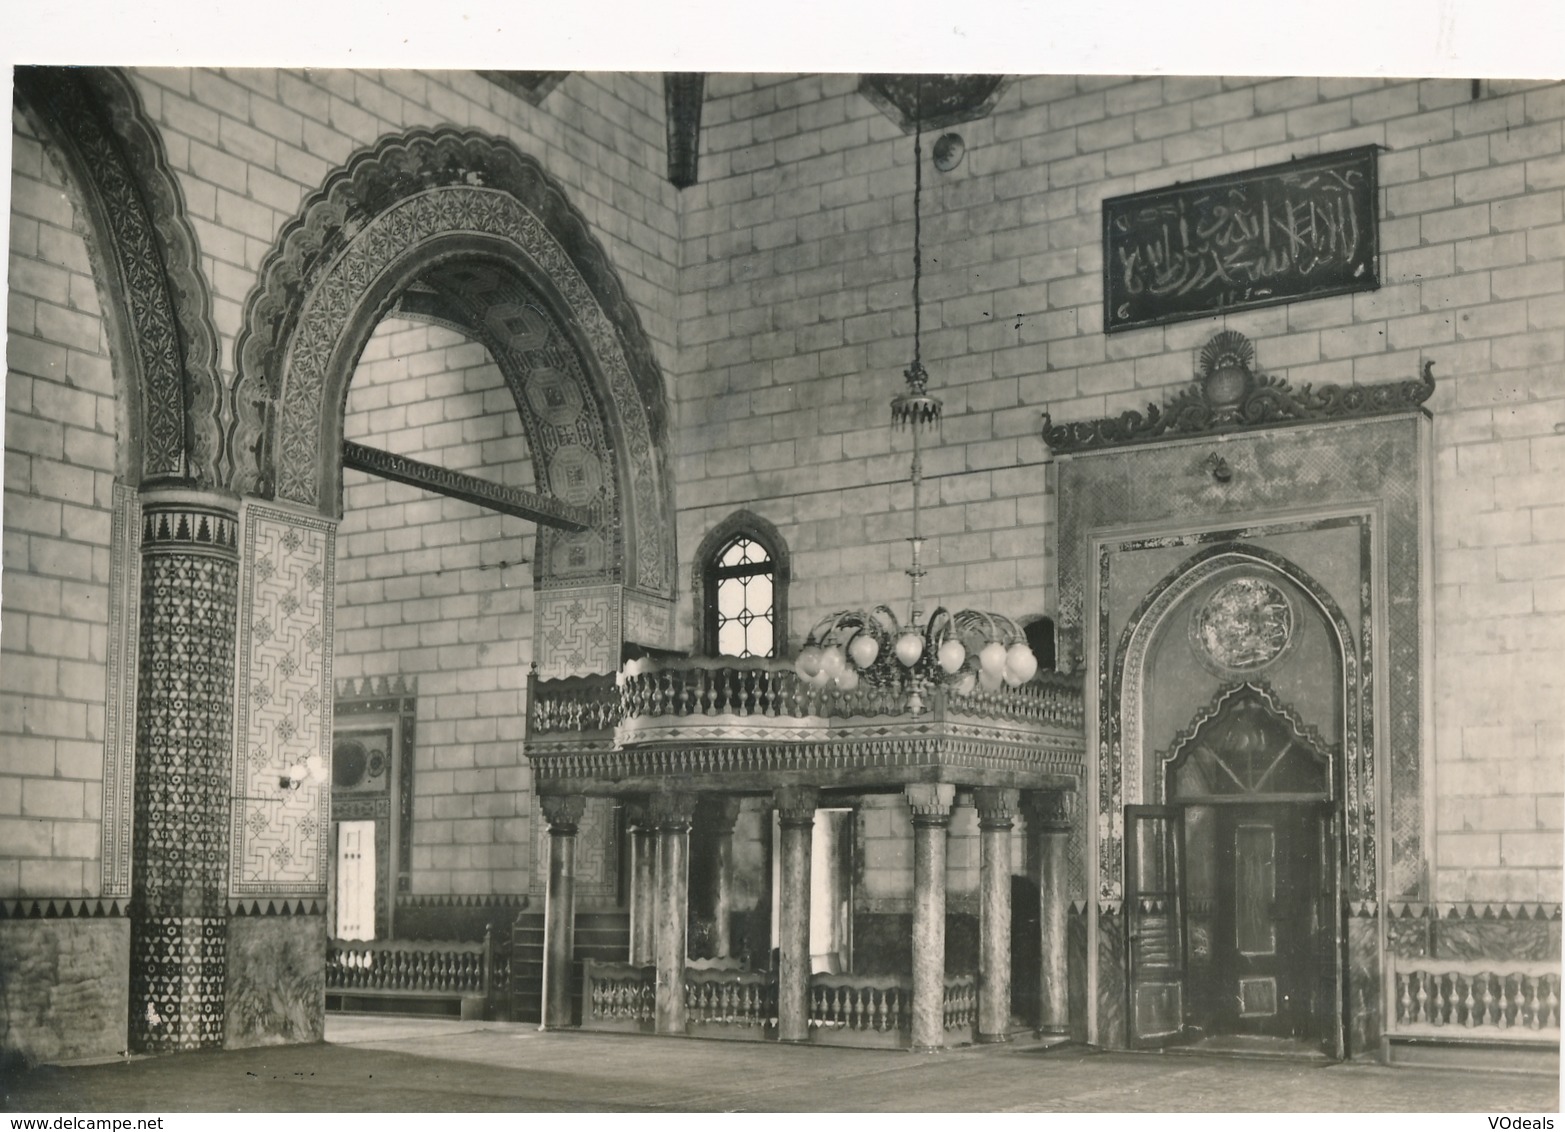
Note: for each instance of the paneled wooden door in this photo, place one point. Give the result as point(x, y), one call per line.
point(1155, 925)
point(1265, 920)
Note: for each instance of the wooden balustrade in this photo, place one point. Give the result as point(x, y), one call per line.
point(730, 1003)
point(618, 996)
point(863, 1010)
point(703, 687)
point(961, 1008)
point(1476, 997)
point(572, 704)
point(414, 966)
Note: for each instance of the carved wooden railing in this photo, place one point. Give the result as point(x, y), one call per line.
point(961, 1008)
point(723, 1001)
point(861, 1010)
point(572, 704)
point(726, 686)
point(618, 996)
point(409, 969)
point(1476, 998)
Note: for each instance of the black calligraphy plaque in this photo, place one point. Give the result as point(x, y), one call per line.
point(1303, 229)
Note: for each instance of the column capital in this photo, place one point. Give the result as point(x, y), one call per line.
point(996, 806)
point(562, 811)
point(671, 809)
point(1049, 809)
point(636, 816)
point(796, 804)
point(930, 801)
point(718, 812)
point(176, 519)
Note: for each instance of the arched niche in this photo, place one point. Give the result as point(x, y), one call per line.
point(1131, 761)
point(476, 221)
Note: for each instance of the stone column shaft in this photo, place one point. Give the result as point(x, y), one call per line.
point(931, 805)
point(183, 775)
point(796, 819)
point(996, 811)
point(672, 814)
point(643, 886)
point(722, 812)
point(1048, 822)
point(559, 918)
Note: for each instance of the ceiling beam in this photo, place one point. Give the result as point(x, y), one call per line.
point(543, 509)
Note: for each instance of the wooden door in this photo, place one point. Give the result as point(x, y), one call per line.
point(1154, 920)
point(355, 880)
point(1263, 925)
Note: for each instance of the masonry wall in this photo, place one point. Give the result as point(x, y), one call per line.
point(441, 590)
point(59, 470)
point(248, 145)
point(796, 322)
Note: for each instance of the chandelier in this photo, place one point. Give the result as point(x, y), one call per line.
point(965, 650)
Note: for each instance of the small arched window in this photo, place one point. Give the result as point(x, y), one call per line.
point(744, 580)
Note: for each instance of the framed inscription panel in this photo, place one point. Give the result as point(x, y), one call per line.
point(1300, 230)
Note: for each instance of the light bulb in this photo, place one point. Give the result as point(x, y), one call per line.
point(991, 658)
point(864, 648)
point(808, 662)
point(952, 655)
point(910, 646)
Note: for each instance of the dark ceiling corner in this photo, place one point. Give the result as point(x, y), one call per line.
point(933, 102)
point(532, 86)
point(682, 94)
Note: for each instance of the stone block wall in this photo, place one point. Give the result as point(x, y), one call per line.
point(796, 323)
point(60, 437)
point(441, 590)
point(249, 145)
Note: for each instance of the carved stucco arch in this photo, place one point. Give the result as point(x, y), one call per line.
point(146, 264)
point(411, 203)
point(1120, 723)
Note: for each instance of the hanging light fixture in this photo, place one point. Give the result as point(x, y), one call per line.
point(966, 649)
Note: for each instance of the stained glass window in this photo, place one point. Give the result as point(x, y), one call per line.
point(742, 579)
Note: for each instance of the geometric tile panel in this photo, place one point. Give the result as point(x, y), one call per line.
point(577, 631)
point(649, 621)
point(119, 726)
point(279, 835)
point(596, 850)
point(176, 982)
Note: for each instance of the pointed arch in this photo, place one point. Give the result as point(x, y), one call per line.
point(1121, 709)
point(492, 228)
point(146, 263)
point(743, 523)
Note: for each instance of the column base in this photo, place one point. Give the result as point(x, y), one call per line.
point(926, 1049)
point(992, 1039)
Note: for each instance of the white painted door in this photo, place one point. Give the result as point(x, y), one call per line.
point(356, 880)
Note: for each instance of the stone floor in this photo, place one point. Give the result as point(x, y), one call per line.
point(385, 1064)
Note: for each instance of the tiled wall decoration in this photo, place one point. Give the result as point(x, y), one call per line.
point(119, 723)
point(649, 621)
point(577, 631)
point(280, 835)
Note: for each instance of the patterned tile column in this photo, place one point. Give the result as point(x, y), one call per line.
point(184, 741)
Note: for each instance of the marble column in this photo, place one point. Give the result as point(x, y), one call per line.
point(996, 813)
point(563, 813)
point(671, 813)
point(796, 819)
point(931, 805)
point(643, 884)
point(719, 812)
point(183, 775)
point(1048, 815)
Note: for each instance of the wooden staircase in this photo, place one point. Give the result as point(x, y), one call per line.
point(603, 936)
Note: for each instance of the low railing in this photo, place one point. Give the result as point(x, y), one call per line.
point(1476, 998)
point(868, 1010)
point(723, 1001)
point(618, 996)
point(960, 1008)
point(572, 704)
point(381, 971)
